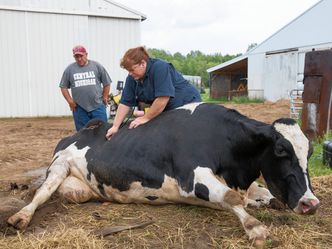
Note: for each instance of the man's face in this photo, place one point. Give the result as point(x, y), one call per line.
point(81, 60)
point(137, 71)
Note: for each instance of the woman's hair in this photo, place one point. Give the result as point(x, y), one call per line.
point(134, 56)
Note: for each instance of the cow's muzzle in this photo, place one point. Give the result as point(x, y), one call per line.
point(307, 206)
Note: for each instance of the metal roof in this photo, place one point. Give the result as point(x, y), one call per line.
point(227, 63)
point(125, 12)
point(143, 16)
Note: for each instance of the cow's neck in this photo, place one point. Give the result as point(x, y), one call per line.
point(246, 162)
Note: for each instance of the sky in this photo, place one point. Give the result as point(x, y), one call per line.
point(213, 26)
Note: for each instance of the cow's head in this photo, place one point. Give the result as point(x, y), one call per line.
point(286, 174)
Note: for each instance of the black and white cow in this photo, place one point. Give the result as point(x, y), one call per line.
point(198, 154)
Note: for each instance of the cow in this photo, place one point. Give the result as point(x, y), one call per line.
point(200, 154)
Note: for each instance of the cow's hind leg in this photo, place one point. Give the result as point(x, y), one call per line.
point(76, 191)
point(57, 172)
point(209, 188)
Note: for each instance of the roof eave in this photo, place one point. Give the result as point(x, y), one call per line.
point(227, 63)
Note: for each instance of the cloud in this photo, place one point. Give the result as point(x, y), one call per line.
point(213, 26)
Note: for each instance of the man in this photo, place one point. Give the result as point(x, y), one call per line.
point(90, 86)
point(151, 82)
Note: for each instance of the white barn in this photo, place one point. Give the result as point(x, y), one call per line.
point(275, 67)
point(36, 38)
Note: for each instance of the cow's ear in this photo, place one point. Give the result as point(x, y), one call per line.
point(281, 147)
point(258, 133)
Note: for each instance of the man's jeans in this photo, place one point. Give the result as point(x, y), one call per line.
point(82, 117)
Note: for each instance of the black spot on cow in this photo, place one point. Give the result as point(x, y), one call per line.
point(101, 189)
point(151, 197)
point(201, 191)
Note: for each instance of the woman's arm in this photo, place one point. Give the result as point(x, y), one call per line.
point(119, 117)
point(157, 107)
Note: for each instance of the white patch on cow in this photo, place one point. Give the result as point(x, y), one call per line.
point(75, 190)
point(205, 176)
point(241, 213)
point(137, 193)
point(79, 166)
point(191, 107)
point(300, 145)
point(298, 140)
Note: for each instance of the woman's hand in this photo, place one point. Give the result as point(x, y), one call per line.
point(111, 132)
point(138, 121)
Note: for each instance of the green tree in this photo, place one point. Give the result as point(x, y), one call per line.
point(251, 46)
point(194, 63)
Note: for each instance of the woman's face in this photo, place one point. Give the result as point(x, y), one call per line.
point(137, 71)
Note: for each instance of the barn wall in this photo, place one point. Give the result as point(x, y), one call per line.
point(277, 73)
point(279, 77)
point(255, 76)
point(36, 47)
point(220, 85)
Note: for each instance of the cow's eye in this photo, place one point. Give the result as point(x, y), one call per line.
point(280, 152)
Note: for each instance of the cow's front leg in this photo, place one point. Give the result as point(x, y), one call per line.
point(258, 196)
point(208, 187)
point(57, 172)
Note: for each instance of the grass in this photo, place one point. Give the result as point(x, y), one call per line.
point(316, 166)
point(206, 98)
point(236, 100)
point(246, 100)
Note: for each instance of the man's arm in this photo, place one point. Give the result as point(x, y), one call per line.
point(69, 99)
point(106, 93)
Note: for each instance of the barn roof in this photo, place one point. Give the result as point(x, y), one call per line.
point(102, 8)
point(231, 64)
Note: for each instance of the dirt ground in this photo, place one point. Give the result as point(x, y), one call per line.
point(26, 149)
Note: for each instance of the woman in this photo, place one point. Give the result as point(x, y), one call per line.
point(152, 82)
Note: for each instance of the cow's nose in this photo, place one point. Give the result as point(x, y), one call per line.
point(309, 206)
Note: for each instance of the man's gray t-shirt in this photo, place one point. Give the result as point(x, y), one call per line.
point(85, 83)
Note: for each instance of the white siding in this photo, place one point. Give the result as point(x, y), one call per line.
point(279, 75)
point(13, 65)
point(255, 75)
point(115, 36)
point(36, 47)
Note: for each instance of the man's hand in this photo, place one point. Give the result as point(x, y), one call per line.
point(106, 93)
point(138, 121)
point(111, 132)
point(69, 99)
point(105, 100)
point(72, 106)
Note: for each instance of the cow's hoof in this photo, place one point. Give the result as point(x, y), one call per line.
point(8, 207)
point(258, 243)
point(261, 236)
point(256, 230)
point(20, 220)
